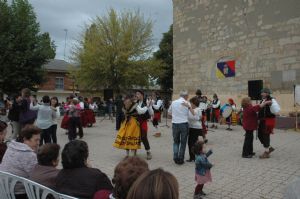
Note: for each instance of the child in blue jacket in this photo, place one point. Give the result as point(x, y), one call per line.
point(203, 167)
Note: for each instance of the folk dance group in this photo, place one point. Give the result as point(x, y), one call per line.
point(189, 123)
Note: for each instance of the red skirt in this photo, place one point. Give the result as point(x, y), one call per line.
point(90, 117)
point(83, 118)
point(156, 116)
point(215, 114)
point(270, 125)
point(65, 122)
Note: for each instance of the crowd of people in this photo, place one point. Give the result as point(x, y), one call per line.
point(33, 151)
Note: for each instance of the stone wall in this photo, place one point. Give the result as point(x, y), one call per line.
point(262, 36)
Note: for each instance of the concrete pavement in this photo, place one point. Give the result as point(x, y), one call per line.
point(233, 176)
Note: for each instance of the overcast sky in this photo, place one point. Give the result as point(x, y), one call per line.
point(56, 16)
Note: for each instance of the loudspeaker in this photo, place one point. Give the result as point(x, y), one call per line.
point(254, 88)
point(108, 93)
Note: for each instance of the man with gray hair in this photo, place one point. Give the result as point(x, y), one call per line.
point(179, 110)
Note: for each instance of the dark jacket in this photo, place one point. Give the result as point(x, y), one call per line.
point(14, 112)
point(44, 175)
point(27, 116)
point(82, 182)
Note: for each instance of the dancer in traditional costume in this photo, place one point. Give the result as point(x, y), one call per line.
point(88, 114)
point(144, 112)
point(129, 134)
point(216, 105)
point(229, 119)
point(74, 119)
point(267, 116)
point(65, 120)
point(157, 108)
point(203, 105)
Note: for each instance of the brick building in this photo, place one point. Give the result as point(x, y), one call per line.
point(58, 83)
point(219, 46)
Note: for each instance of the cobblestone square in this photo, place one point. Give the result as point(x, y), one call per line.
point(233, 176)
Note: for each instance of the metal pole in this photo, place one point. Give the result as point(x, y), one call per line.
point(66, 30)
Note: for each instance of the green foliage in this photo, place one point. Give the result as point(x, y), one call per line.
point(23, 49)
point(165, 54)
point(114, 52)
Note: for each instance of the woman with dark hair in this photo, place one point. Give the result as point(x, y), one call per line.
point(126, 173)
point(20, 156)
point(195, 126)
point(77, 178)
point(155, 184)
point(45, 118)
point(56, 110)
point(129, 134)
point(45, 171)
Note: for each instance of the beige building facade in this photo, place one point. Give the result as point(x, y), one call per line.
point(219, 46)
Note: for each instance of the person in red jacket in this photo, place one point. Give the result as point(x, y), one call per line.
point(250, 124)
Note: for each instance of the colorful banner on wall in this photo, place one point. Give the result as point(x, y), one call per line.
point(225, 69)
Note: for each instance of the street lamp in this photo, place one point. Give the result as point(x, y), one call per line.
point(66, 30)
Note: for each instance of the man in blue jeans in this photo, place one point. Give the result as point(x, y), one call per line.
point(179, 110)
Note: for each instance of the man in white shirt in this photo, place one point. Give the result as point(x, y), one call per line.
point(179, 112)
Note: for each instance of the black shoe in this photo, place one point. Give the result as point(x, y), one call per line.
point(176, 161)
point(198, 196)
point(247, 156)
point(253, 154)
point(202, 193)
point(180, 162)
point(205, 141)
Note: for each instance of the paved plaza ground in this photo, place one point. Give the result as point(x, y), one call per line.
point(233, 176)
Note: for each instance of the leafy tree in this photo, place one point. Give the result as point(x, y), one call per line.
point(165, 54)
point(23, 49)
point(114, 52)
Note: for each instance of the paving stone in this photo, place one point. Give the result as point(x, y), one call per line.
point(233, 176)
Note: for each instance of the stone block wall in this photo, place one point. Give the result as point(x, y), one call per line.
point(262, 36)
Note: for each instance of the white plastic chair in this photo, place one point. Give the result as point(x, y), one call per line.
point(7, 185)
point(34, 190)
